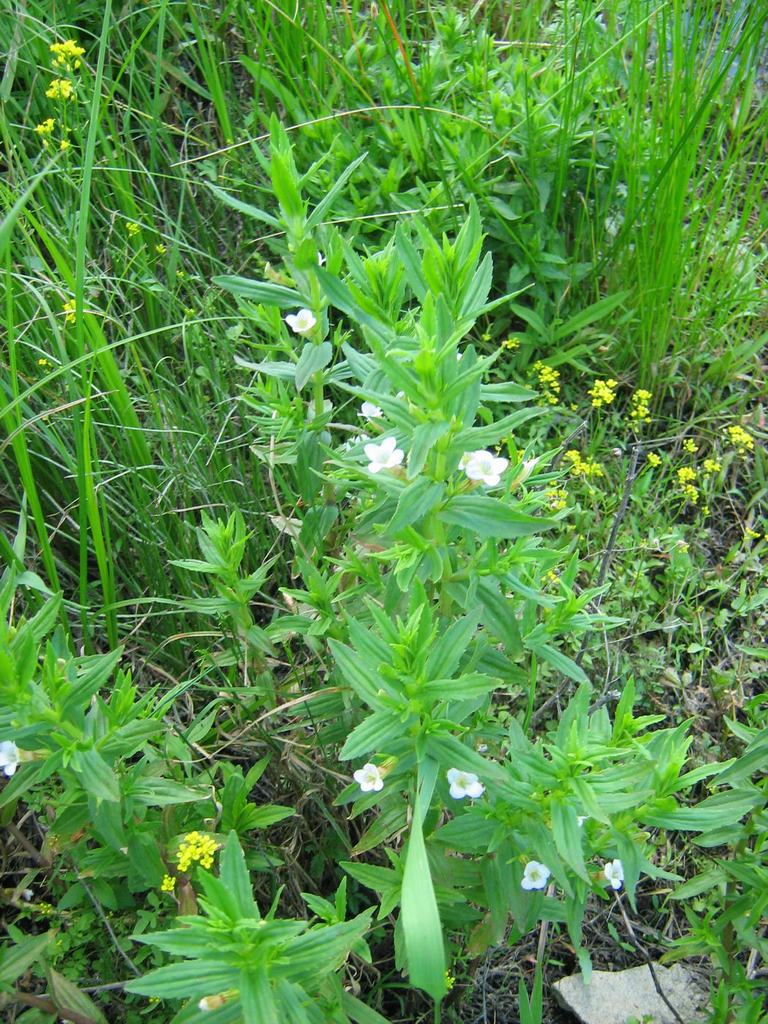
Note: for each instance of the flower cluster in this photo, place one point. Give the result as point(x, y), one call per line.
point(69, 311)
point(557, 498)
point(583, 467)
point(690, 446)
point(196, 849)
point(653, 459)
point(168, 883)
point(45, 128)
point(549, 382)
point(603, 392)
point(511, 344)
point(639, 407)
point(68, 55)
point(132, 228)
point(483, 467)
point(740, 439)
point(686, 477)
point(712, 466)
point(60, 89)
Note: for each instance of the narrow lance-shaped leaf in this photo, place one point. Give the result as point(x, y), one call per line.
point(420, 916)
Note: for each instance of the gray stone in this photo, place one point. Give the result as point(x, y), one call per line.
point(616, 997)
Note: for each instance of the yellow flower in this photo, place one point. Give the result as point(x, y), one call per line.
point(690, 446)
point(583, 467)
point(557, 498)
point(60, 89)
point(551, 576)
point(639, 408)
point(132, 228)
point(64, 144)
point(168, 883)
point(712, 466)
point(741, 440)
point(511, 344)
point(196, 849)
point(43, 362)
point(160, 249)
point(685, 477)
point(69, 310)
point(653, 459)
point(46, 127)
point(603, 392)
point(68, 54)
point(549, 382)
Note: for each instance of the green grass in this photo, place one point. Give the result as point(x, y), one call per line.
point(618, 166)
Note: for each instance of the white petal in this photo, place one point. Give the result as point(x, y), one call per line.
point(387, 446)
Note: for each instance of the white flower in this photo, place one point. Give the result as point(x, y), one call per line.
point(370, 411)
point(535, 875)
point(384, 455)
point(484, 466)
point(301, 322)
point(614, 872)
point(459, 356)
point(369, 778)
point(9, 757)
point(320, 259)
point(581, 819)
point(464, 784)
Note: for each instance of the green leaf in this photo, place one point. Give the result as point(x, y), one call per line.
point(190, 979)
point(97, 778)
point(373, 733)
point(234, 874)
point(561, 662)
point(506, 392)
point(464, 688)
point(244, 208)
point(418, 498)
point(313, 358)
point(326, 202)
point(497, 615)
point(68, 999)
point(256, 998)
point(269, 814)
point(490, 517)
point(164, 792)
point(597, 311)
point(357, 673)
point(568, 836)
point(420, 917)
point(715, 812)
point(359, 1012)
point(260, 291)
point(423, 440)
point(445, 656)
point(15, 959)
